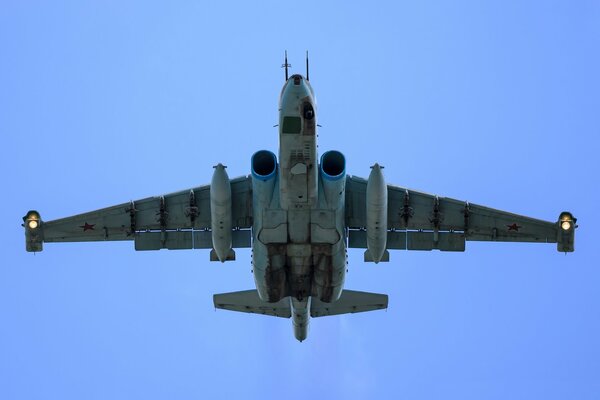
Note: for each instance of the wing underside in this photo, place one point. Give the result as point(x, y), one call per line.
point(421, 221)
point(179, 220)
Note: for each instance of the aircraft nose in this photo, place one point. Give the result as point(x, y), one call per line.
point(295, 88)
point(297, 79)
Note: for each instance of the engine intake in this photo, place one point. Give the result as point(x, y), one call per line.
point(333, 177)
point(264, 177)
point(264, 165)
point(333, 165)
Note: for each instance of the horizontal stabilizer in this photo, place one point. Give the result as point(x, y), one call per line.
point(350, 302)
point(248, 301)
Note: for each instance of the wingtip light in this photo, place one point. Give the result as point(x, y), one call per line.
point(32, 219)
point(566, 220)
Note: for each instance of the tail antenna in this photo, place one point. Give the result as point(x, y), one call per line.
point(286, 65)
point(307, 65)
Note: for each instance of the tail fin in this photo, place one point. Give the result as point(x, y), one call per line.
point(248, 301)
point(349, 302)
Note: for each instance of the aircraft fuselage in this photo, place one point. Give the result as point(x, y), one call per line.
point(298, 246)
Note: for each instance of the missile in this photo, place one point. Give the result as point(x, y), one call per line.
point(220, 214)
point(376, 214)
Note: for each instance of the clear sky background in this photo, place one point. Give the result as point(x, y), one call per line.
point(103, 102)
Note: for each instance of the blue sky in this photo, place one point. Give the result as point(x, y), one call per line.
point(109, 101)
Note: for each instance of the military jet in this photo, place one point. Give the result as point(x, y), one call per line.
point(299, 214)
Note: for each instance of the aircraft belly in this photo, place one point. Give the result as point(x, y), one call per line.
point(300, 270)
point(299, 179)
point(269, 269)
point(300, 253)
point(329, 271)
point(298, 185)
point(299, 226)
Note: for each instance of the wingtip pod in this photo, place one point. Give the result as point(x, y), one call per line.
point(34, 233)
point(567, 223)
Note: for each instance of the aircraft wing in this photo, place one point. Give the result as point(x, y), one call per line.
point(421, 221)
point(179, 220)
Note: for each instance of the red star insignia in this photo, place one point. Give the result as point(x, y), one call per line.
point(513, 227)
point(88, 227)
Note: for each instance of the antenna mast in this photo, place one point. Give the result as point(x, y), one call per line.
point(286, 65)
point(307, 65)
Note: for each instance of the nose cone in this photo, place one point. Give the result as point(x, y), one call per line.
point(296, 88)
point(297, 79)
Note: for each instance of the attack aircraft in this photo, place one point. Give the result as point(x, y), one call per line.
point(299, 214)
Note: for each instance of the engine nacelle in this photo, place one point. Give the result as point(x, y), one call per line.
point(268, 251)
point(264, 176)
point(333, 178)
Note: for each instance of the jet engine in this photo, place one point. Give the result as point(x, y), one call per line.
point(268, 244)
point(264, 173)
point(333, 177)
